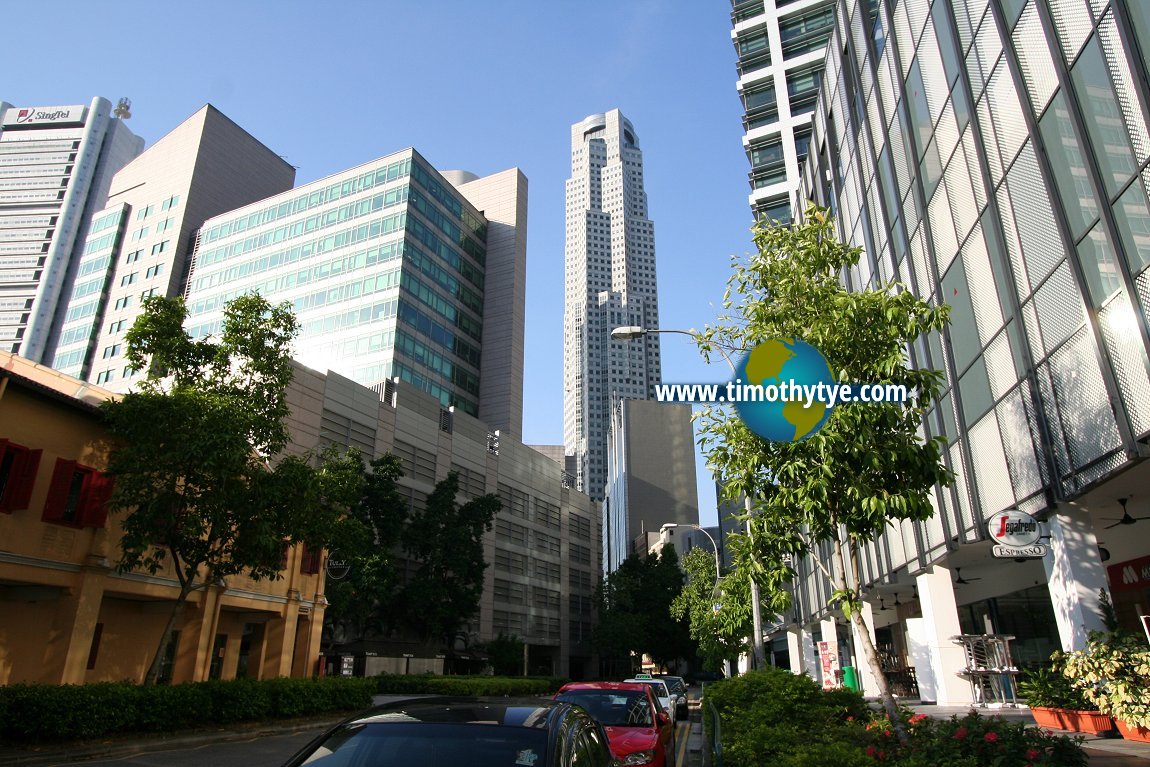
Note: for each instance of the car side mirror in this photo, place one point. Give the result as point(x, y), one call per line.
point(664, 717)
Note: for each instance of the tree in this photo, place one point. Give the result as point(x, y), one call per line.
point(718, 613)
point(446, 540)
point(868, 467)
point(505, 653)
point(360, 600)
point(635, 610)
point(196, 455)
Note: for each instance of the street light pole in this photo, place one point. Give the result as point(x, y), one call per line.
point(630, 333)
point(714, 546)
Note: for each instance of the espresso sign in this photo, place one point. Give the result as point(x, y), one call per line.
point(1016, 535)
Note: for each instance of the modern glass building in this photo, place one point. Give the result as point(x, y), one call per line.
point(56, 164)
point(610, 282)
point(993, 155)
point(139, 245)
point(386, 267)
point(781, 45)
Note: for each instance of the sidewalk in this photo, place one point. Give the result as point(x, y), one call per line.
point(1103, 752)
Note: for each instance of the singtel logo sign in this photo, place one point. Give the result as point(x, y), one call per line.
point(34, 115)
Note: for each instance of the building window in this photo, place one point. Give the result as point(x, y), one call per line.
point(309, 561)
point(123, 303)
point(154, 271)
point(18, 467)
point(128, 279)
point(105, 376)
point(133, 256)
point(159, 247)
point(170, 203)
point(112, 351)
point(78, 495)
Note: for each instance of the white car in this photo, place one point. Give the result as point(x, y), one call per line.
point(662, 692)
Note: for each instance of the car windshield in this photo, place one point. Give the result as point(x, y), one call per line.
point(659, 688)
point(613, 708)
point(431, 745)
point(676, 685)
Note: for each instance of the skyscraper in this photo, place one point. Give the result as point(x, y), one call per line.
point(781, 45)
point(392, 271)
point(610, 282)
point(56, 164)
point(139, 245)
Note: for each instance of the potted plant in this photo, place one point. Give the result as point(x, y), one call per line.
point(1113, 672)
point(1056, 702)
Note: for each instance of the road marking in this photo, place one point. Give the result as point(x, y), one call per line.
point(681, 750)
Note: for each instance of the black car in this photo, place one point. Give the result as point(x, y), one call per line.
point(678, 687)
point(463, 732)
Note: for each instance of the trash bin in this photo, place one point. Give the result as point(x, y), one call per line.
point(851, 678)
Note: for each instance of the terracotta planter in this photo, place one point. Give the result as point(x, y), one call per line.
point(1133, 732)
point(1066, 719)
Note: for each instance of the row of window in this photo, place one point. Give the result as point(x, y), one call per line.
point(77, 494)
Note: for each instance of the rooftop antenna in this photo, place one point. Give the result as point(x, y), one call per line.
point(123, 108)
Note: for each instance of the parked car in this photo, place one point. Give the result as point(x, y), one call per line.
point(639, 730)
point(662, 692)
point(678, 687)
point(477, 732)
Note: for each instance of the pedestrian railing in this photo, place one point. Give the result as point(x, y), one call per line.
point(712, 732)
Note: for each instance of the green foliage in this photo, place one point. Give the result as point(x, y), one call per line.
point(505, 654)
point(971, 741)
point(360, 600)
point(1113, 672)
point(721, 634)
point(1050, 688)
point(40, 712)
point(193, 450)
point(867, 467)
point(447, 540)
point(774, 717)
point(772, 714)
point(404, 684)
point(635, 610)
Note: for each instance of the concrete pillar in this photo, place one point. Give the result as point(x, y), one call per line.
point(795, 648)
point(1074, 574)
point(866, 674)
point(940, 623)
point(77, 612)
point(810, 653)
point(279, 641)
point(201, 630)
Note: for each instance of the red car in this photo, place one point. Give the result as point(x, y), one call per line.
point(639, 731)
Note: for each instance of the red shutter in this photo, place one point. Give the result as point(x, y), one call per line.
point(5, 505)
point(309, 562)
point(94, 505)
point(56, 503)
point(19, 495)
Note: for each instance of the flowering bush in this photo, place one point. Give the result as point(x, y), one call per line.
point(972, 741)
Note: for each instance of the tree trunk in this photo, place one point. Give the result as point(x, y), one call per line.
point(863, 631)
point(181, 600)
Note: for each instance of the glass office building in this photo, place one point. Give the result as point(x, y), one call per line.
point(781, 45)
point(992, 155)
point(385, 268)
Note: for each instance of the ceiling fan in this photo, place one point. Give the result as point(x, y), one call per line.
point(960, 581)
point(1126, 518)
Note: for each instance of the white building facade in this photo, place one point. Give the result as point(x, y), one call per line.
point(56, 164)
point(781, 45)
point(610, 282)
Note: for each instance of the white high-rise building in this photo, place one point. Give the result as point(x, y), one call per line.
point(781, 46)
point(610, 282)
point(56, 164)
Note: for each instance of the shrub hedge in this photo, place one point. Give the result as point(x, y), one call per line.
point(400, 684)
point(42, 712)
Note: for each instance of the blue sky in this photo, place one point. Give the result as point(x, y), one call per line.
point(477, 86)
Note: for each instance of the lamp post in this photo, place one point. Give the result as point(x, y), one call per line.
point(630, 333)
point(669, 528)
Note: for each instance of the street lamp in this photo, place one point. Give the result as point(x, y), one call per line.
point(669, 528)
point(630, 333)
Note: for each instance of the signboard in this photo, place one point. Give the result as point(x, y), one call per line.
point(19, 116)
point(1131, 575)
point(829, 660)
point(1016, 534)
point(337, 567)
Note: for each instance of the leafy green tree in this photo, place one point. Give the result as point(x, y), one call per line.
point(197, 453)
point(361, 600)
point(868, 467)
point(505, 654)
point(446, 541)
point(635, 610)
point(718, 613)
